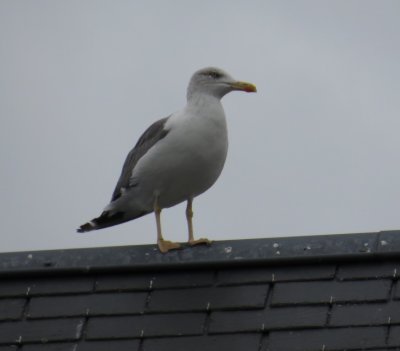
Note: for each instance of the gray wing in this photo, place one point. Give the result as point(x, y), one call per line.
point(149, 138)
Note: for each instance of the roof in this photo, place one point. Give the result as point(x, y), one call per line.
point(334, 292)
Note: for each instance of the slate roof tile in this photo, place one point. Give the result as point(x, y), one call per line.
point(81, 305)
point(11, 308)
point(183, 279)
point(269, 319)
point(124, 282)
point(397, 290)
point(240, 276)
point(394, 336)
point(202, 299)
point(41, 331)
point(61, 285)
point(50, 285)
point(326, 339)
point(236, 342)
point(147, 325)
point(365, 314)
point(8, 348)
point(159, 280)
point(108, 345)
point(13, 287)
point(50, 347)
point(368, 270)
point(330, 291)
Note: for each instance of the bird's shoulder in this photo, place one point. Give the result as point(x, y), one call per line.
point(152, 134)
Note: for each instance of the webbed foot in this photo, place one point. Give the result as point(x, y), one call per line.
point(165, 245)
point(202, 241)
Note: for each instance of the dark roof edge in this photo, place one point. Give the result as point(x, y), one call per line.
point(220, 253)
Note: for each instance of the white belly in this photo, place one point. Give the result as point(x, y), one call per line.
point(184, 164)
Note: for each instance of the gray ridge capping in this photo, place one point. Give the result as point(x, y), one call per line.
point(222, 253)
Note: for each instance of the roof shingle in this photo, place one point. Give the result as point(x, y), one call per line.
point(318, 292)
point(327, 339)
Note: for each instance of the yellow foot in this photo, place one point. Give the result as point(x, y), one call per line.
point(165, 245)
point(202, 241)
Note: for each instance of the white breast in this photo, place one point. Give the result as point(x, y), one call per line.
point(188, 160)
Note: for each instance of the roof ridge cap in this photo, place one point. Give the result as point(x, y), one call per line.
point(228, 252)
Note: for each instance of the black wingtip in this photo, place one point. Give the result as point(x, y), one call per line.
point(104, 221)
point(85, 228)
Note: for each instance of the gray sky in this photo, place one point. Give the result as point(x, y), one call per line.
point(315, 151)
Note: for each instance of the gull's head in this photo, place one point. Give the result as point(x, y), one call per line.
point(216, 82)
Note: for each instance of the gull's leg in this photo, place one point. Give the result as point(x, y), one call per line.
point(163, 245)
point(189, 218)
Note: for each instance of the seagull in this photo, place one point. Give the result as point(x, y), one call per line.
point(176, 159)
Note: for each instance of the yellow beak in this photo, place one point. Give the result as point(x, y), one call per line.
point(244, 86)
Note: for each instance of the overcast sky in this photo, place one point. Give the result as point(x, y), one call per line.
point(315, 151)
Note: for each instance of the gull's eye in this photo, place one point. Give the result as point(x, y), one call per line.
point(213, 74)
